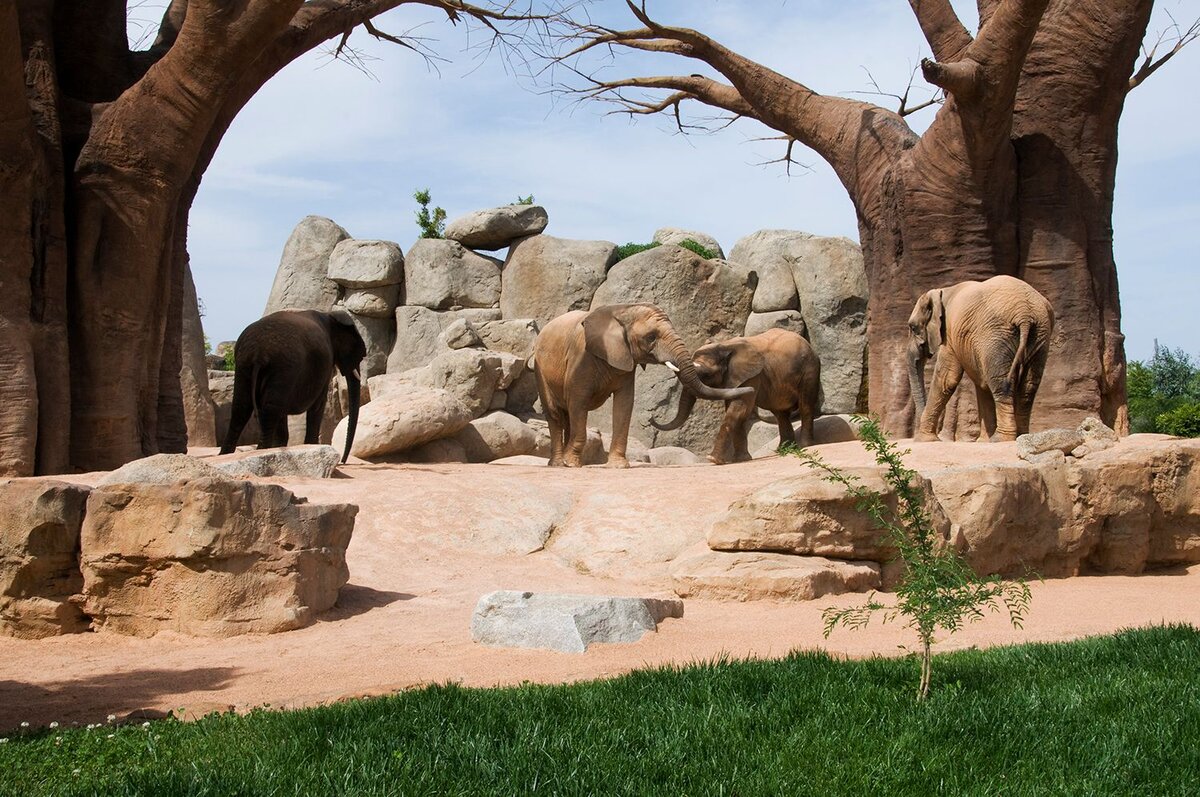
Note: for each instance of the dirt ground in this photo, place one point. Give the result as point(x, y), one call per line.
point(430, 539)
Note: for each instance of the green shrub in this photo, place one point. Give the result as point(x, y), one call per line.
point(524, 200)
point(1162, 391)
point(707, 254)
point(938, 589)
point(1182, 421)
point(628, 249)
point(432, 224)
point(229, 363)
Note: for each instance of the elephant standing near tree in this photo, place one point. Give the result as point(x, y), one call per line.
point(997, 332)
point(283, 364)
point(582, 357)
point(786, 376)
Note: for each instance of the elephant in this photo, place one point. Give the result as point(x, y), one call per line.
point(786, 376)
point(998, 332)
point(582, 357)
point(283, 364)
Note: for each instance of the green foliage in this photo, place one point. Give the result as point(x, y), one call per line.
point(1104, 716)
point(524, 200)
point(229, 362)
point(625, 250)
point(699, 249)
point(938, 589)
point(1163, 393)
point(432, 224)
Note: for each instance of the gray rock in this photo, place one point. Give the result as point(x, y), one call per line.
point(438, 452)
point(522, 394)
point(513, 335)
point(545, 277)
point(705, 300)
point(460, 334)
point(675, 235)
point(404, 419)
point(1064, 440)
point(305, 461)
point(441, 275)
point(366, 264)
point(162, 469)
point(380, 336)
point(497, 227)
point(302, 281)
point(567, 623)
point(673, 455)
point(496, 435)
point(418, 331)
point(831, 284)
point(791, 320)
point(471, 375)
point(374, 302)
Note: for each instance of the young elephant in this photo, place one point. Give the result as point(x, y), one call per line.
point(283, 363)
point(785, 374)
point(998, 332)
point(581, 358)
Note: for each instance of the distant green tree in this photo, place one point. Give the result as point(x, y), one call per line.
point(1164, 394)
point(524, 200)
point(432, 224)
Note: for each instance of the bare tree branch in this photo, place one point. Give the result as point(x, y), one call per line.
point(903, 109)
point(1150, 65)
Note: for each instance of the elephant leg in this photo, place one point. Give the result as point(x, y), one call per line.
point(312, 420)
point(621, 415)
point(271, 419)
point(807, 431)
point(1026, 391)
point(730, 445)
point(576, 435)
point(559, 435)
point(243, 407)
point(787, 433)
point(947, 373)
point(987, 413)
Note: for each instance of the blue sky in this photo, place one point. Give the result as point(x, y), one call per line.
point(323, 138)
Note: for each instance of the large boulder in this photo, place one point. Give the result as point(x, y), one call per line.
point(675, 235)
point(791, 320)
point(471, 375)
point(545, 277)
point(404, 418)
point(441, 274)
point(377, 302)
point(567, 623)
point(705, 300)
point(831, 285)
point(210, 557)
point(498, 227)
point(769, 576)
point(40, 521)
point(302, 279)
point(358, 263)
point(419, 333)
point(496, 435)
point(162, 469)
point(513, 335)
point(301, 461)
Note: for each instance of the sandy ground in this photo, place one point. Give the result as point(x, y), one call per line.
point(429, 540)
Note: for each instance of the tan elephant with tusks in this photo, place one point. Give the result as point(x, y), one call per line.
point(583, 357)
point(998, 333)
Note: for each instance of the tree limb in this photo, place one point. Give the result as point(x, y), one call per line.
point(945, 33)
point(1150, 65)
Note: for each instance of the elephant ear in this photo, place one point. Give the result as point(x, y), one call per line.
point(937, 322)
point(745, 363)
point(605, 336)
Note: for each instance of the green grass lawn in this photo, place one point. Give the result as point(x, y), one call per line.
point(1111, 715)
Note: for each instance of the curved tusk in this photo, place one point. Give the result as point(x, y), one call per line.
point(672, 366)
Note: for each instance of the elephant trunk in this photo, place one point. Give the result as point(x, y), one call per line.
point(354, 388)
point(681, 358)
point(687, 400)
point(916, 379)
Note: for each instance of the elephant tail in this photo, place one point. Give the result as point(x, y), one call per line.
point(1017, 369)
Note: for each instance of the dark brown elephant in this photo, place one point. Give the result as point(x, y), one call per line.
point(998, 333)
point(283, 365)
point(583, 357)
point(785, 374)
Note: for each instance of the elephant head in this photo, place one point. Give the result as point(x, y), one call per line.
point(627, 335)
point(926, 334)
point(718, 365)
point(348, 353)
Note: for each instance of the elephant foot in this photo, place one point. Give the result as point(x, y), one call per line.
point(617, 462)
point(925, 437)
point(572, 462)
point(717, 460)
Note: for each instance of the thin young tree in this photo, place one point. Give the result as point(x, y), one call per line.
point(1015, 175)
point(102, 149)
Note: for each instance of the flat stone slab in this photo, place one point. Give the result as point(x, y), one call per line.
point(769, 576)
point(305, 461)
point(567, 623)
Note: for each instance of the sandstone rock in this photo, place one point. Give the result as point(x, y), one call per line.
point(769, 576)
point(418, 331)
point(471, 375)
point(497, 227)
point(303, 461)
point(40, 521)
point(509, 368)
point(460, 334)
point(395, 422)
point(499, 400)
point(666, 456)
point(674, 235)
point(302, 281)
point(496, 435)
point(1064, 440)
point(545, 277)
point(831, 284)
point(567, 623)
point(438, 452)
point(199, 412)
point(513, 335)
point(790, 320)
point(705, 299)
point(366, 264)
point(210, 557)
point(1092, 429)
point(162, 469)
point(374, 302)
point(441, 274)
